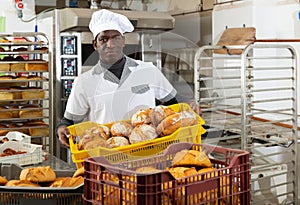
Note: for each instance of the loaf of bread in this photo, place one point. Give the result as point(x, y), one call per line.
point(171, 123)
point(147, 169)
point(79, 172)
point(158, 113)
point(191, 158)
point(30, 112)
point(6, 95)
point(96, 142)
point(3, 130)
point(117, 141)
point(38, 174)
point(36, 66)
point(142, 133)
point(17, 66)
point(3, 181)
point(4, 67)
point(21, 183)
point(67, 181)
point(121, 128)
point(181, 172)
point(5, 113)
point(92, 138)
point(33, 93)
point(39, 130)
point(141, 117)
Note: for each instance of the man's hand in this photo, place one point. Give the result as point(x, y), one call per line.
point(63, 135)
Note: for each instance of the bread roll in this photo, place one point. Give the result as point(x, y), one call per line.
point(191, 158)
point(142, 133)
point(117, 141)
point(180, 172)
point(61, 182)
point(3, 181)
point(36, 66)
point(38, 174)
point(122, 128)
point(92, 137)
point(21, 183)
point(96, 142)
point(173, 122)
point(79, 172)
point(76, 181)
point(147, 169)
point(141, 117)
point(104, 131)
point(158, 113)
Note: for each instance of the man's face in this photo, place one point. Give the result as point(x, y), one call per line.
point(109, 44)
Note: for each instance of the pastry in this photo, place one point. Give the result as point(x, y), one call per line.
point(38, 174)
point(121, 128)
point(171, 123)
point(141, 117)
point(158, 113)
point(21, 183)
point(117, 141)
point(20, 49)
point(142, 133)
point(191, 158)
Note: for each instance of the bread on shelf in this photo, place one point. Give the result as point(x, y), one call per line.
point(31, 111)
point(33, 93)
point(4, 67)
point(17, 66)
point(36, 66)
point(5, 113)
point(37, 128)
point(5, 94)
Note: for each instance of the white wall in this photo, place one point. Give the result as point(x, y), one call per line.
point(12, 22)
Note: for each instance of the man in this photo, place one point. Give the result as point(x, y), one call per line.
point(117, 86)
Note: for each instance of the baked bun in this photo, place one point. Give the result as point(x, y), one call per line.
point(3, 181)
point(141, 117)
point(117, 141)
point(121, 128)
point(158, 113)
point(171, 123)
point(61, 182)
point(191, 158)
point(142, 133)
point(180, 172)
point(79, 172)
point(38, 174)
point(21, 183)
point(147, 170)
point(104, 131)
point(92, 138)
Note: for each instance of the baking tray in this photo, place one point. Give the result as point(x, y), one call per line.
point(38, 196)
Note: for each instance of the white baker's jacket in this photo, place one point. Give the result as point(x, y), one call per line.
point(98, 95)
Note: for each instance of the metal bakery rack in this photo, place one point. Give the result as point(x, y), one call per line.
point(248, 98)
point(26, 85)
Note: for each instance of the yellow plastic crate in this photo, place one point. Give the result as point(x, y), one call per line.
point(191, 134)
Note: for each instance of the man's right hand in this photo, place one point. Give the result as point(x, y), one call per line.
point(63, 135)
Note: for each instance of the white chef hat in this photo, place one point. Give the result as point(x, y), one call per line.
point(103, 20)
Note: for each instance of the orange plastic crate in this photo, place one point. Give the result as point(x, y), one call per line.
point(107, 183)
point(190, 134)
